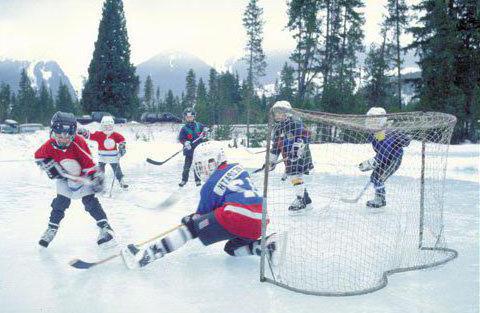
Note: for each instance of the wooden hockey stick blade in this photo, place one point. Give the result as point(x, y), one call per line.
point(80, 264)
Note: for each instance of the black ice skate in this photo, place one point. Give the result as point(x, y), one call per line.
point(377, 202)
point(182, 183)
point(106, 235)
point(123, 185)
point(48, 236)
point(300, 204)
point(198, 183)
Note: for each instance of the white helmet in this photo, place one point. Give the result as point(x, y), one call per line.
point(206, 159)
point(281, 109)
point(376, 122)
point(106, 125)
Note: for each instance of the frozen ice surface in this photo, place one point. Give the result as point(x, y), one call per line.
point(195, 278)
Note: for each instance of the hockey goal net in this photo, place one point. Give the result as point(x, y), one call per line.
point(341, 246)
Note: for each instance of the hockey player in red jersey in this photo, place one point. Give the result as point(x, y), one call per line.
point(66, 158)
point(229, 209)
point(111, 147)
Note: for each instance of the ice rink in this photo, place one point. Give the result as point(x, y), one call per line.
point(195, 278)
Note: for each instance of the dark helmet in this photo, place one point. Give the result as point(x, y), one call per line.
point(189, 112)
point(63, 126)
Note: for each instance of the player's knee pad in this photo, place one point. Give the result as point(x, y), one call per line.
point(60, 203)
point(91, 203)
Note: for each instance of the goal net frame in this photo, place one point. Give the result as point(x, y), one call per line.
point(350, 122)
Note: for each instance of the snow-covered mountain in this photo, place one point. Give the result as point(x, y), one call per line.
point(169, 69)
point(38, 71)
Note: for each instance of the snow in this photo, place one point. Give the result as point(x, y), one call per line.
point(195, 278)
point(46, 75)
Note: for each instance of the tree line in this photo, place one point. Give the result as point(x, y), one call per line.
point(323, 71)
point(29, 105)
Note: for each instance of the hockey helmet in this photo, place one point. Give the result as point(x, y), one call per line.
point(189, 114)
point(106, 124)
point(63, 128)
point(376, 118)
point(280, 110)
point(207, 158)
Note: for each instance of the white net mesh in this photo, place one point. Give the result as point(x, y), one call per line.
point(360, 225)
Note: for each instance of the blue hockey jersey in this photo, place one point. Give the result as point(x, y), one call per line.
point(230, 193)
point(390, 148)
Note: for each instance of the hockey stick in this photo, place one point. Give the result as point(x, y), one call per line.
point(258, 152)
point(114, 177)
point(77, 263)
point(173, 155)
point(355, 200)
point(263, 167)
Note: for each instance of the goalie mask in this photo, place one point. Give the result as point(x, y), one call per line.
point(106, 125)
point(207, 158)
point(63, 128)
point(281, 110)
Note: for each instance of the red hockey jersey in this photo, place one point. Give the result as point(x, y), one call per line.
point(78, 151)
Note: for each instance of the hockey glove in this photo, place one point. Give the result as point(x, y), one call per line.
point(368, 165)
point(189, 222)
point(50, 167)
point(298, 150)
point(187, 146)
point(97, 178)
point(83, 132)
point(122, 149)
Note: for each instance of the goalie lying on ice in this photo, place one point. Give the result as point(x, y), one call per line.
point(229, 209)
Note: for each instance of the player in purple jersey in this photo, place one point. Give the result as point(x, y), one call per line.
point(388, 146)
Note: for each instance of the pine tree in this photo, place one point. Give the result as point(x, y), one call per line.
point(448, 44)
point(5, 96)
point(202, 108)
point(170, 102)
point(64, 101)
point(213, 94)
point(191, 89)
point(25, 108)
point(112, 84)
point(148, 101)
point(397, 20)
point(45, 104)
point(286, 85)
point(255, 57)
point(157, 99)
point(306, 29)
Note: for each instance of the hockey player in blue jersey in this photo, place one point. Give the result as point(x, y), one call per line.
point(190, 137)
point(388, 146)
point(229, 209)
point(291, 140)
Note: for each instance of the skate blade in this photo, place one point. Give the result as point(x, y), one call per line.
point(109, 244)
point(307, 209)
point(373, 210)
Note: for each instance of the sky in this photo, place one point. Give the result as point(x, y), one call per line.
point(66, 30)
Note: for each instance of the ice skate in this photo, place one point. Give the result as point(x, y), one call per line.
point(300, 205)
point(106, 237)
point(48, 236)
